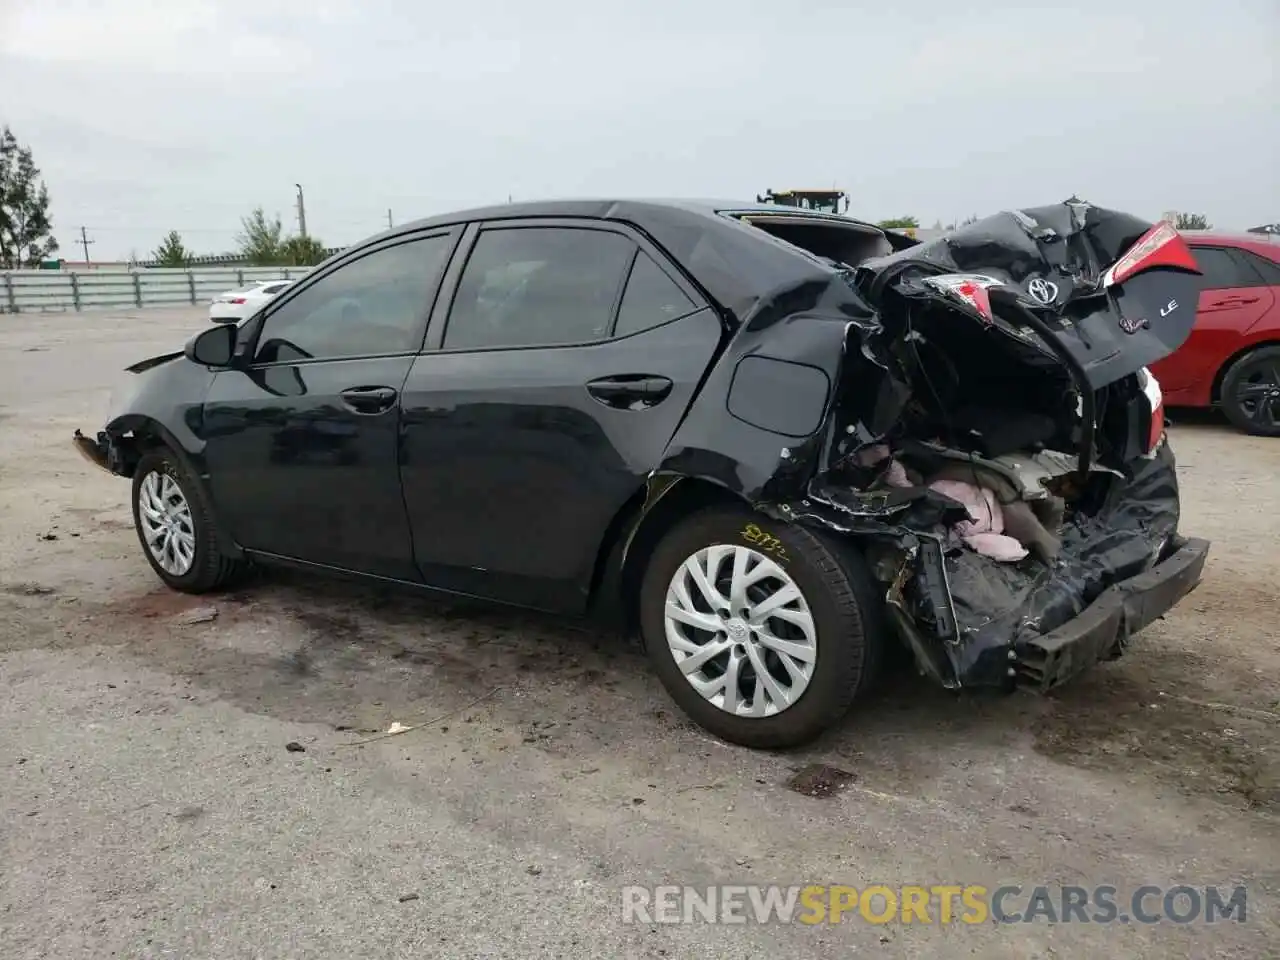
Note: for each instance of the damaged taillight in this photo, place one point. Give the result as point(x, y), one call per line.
point(1161, 246)
point(969, 288)
point(1155, 399)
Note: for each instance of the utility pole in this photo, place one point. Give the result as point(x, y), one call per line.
point(389, 223)
point(302, 213)
point(84, 242)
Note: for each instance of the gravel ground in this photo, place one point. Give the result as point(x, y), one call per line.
point(149, 806)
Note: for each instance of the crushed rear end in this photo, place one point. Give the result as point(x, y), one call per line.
point(996, 443)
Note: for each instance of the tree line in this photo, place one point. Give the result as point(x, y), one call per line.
point(261, 241)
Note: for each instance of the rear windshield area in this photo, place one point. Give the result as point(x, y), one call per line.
point(848, 243)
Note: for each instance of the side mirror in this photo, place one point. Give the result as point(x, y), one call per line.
point(214, 347)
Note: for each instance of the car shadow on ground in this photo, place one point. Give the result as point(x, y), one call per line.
point(355, 657)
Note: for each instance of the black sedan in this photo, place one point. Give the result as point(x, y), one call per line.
point(763, 436)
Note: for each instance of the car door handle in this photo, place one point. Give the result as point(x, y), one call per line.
point(368, 399)
point(627, 390)
point(1234, 301)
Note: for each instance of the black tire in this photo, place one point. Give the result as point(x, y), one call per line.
point(211, 568)
point(1254, 369)
point(838, 588)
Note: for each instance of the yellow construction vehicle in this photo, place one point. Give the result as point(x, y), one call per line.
point(824, 201)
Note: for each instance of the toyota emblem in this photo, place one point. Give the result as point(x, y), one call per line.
point(1044, 291)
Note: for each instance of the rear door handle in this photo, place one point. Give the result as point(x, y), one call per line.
point(1234, 301)
point(627, 390)
point(369, 400)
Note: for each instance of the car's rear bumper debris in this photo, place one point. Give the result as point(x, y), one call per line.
point(972, 619)
point(1103, 630)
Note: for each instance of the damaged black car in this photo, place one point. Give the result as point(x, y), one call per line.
point(773, 440)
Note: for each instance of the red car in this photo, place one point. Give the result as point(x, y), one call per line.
point(1232, 358)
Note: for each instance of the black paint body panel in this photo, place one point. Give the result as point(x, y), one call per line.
point(510, 473)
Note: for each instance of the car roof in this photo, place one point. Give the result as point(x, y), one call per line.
point(738, 265)
point(606, 208)
point(1260, 242)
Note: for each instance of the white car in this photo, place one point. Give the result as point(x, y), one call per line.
point(236, 305)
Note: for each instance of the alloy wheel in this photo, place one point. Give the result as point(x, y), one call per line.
point(167, 529)
point(1257, 393)
point(740, 630)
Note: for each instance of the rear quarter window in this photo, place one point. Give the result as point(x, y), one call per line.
point(651, 298)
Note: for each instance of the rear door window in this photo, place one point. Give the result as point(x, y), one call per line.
point(538, 286)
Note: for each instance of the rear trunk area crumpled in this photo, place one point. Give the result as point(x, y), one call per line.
point(974, 617)
point(996, 444)
point(1000, 607)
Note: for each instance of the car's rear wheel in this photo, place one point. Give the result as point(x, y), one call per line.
point(1250, 395)
point(175, 526)
point(764, 633)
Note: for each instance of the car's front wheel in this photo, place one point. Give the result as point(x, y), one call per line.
point(1251, 392)
point(175, 526)
point(763, 632)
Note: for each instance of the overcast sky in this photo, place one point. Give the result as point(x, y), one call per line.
point(151, 115)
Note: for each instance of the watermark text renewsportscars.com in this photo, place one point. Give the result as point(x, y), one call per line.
point(933, 904)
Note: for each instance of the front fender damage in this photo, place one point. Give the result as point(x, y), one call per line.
point(159, 402)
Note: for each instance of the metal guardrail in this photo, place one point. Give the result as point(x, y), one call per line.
point(46, 291)
point(228, 259)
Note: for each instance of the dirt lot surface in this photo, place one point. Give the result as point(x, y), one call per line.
point(149, 806)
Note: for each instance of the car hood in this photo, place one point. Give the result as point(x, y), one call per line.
point(1053, 261)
